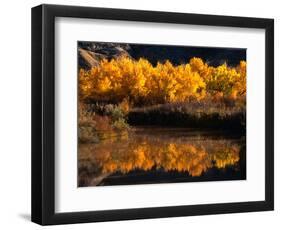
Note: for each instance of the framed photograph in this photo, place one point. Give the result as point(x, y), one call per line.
point(141, 114)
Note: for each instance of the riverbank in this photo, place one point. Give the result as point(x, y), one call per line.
point(98, 122)
point(191, 115)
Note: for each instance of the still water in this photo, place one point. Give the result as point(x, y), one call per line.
point(162, 155)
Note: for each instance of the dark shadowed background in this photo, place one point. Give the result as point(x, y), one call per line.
point(91, 52)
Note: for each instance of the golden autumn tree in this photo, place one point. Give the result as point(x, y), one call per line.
point(139, 82)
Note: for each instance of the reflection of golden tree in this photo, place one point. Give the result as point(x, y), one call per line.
point(146, 153)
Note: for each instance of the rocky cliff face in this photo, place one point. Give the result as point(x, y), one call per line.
point(91, 53)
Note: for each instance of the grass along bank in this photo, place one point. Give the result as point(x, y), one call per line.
point(209, 115)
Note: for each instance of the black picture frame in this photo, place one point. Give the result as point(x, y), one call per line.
point(43, 114)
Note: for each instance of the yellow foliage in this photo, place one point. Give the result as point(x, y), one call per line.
point(140, 82)
point(146, 154)
point(125, 106)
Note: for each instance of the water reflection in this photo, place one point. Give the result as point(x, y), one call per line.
point(147, 151)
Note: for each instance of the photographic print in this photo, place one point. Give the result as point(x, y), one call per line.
point(151, 114)
point(186, 108)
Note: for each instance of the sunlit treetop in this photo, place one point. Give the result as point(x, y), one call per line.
point(142, 83)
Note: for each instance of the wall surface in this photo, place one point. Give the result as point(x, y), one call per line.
point(15, 114)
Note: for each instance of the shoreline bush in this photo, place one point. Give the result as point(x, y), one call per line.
point(96, 123)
